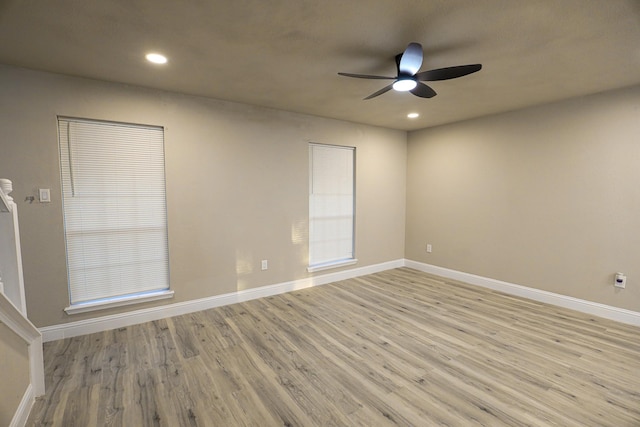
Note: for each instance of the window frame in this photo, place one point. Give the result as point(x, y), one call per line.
point(163, 291)
point(338, 262)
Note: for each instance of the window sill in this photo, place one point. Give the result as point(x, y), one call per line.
point(118, 302)
point(327, 266)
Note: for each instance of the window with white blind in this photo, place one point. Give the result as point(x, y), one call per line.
point(331, 206)
point(113, 190)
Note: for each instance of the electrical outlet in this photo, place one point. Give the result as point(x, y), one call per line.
point(265, 264)
point(620, 281)
point(429, 248)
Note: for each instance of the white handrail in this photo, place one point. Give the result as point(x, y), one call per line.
point(6, 202)
point(11, 275)
point(13, 308)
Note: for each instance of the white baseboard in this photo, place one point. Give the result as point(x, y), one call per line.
point(24, 408)
point(588, 307)
point(104, 323)
point(99, 324)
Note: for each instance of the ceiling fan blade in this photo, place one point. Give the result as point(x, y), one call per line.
point(423, 91)
point(411, 59)
point(448, 72)
point(380, 92)
point(366, 76)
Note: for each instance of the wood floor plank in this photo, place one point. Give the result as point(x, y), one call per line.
point(395, 348)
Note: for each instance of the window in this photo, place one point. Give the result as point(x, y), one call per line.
point(331, 206)
point(113, 193)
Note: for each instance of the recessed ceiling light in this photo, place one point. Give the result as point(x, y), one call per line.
point(413, 115)
point(156, 58)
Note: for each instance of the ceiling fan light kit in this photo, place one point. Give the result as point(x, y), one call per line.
point(404, 85)
point(408, 79)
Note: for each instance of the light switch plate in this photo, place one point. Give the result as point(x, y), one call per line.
point(45, 195)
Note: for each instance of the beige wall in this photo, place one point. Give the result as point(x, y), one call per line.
point(14, 373)
point(547, 197)
point(237, 185)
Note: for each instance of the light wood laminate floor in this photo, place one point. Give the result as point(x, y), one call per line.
point(393, 348)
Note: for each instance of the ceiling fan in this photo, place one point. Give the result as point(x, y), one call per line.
point(408, 79)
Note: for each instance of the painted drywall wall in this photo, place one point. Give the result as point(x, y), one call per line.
point(14, 375)
point(547, 197)
point(237, 185)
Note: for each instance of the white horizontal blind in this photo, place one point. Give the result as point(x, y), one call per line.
point(113, 187)
point(331, 204)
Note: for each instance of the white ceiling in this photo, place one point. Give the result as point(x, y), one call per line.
point(286, 54)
